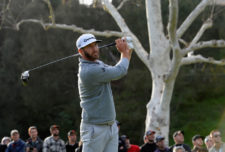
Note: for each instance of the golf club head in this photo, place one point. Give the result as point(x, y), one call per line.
point(25, 77)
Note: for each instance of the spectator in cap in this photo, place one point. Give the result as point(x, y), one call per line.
point(34, 143)
point(71, 144)
point(122, 144)
point(178, 149)
point(4, 143)
point(178, 138)
point(197, 141)
point(54, 143)
point(130, 147)
point(218, 145)
point(208, 142)
point(161, 147)
point(16, 145)
point(150, 145)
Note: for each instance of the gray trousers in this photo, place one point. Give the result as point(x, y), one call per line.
point(99, 138)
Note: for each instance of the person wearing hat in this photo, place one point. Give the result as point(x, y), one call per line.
point(71, 144)
point(34, 143)
point(161, 147)
point(54, 143)
point(178, 137)
point(17, 144)
point(197, 141)
point(150, 145)
point(122, 145)
point(4, 143)
point(219, 145)
point(98, 129)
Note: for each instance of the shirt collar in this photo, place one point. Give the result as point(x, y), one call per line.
point(87, 61)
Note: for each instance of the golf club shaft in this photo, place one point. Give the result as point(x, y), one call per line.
point(74, 55)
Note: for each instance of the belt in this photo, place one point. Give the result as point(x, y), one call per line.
point(110, 123)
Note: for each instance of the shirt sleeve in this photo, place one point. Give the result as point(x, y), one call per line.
point(105, 73)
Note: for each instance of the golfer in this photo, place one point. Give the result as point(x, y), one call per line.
point(98, 129)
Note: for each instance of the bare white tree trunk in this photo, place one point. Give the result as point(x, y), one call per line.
point(158, 115)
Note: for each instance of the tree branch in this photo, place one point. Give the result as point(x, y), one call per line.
point(73, 28)
point(121, 4)
point(200, 59)
point(143, 55)
point(5, 8)
point(205, 44)
point(192, 16)
point(220, 2)
point(172, 24)
point(51, 12)
point(206, 25)
point(183, 42)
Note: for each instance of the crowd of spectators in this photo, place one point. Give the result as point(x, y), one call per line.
point(210, 143)
point(152, 142)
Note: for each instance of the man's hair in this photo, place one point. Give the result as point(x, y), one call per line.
point(31, 127)
point(213, 131)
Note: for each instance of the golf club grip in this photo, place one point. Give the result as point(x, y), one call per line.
point(108, 45)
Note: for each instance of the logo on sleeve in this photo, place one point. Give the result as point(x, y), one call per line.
point(103, 69)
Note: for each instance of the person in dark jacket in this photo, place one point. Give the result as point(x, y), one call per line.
point(72, 144)
point(16, 145)
point(178, 138)
point(161, 147)
point(4, 143)
point(150, 145)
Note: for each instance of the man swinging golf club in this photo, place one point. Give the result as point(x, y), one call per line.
point(98, 129)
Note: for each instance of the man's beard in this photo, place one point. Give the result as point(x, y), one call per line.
point(55, 135)
point(89, 56)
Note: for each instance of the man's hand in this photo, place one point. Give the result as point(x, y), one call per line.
point(122, 47)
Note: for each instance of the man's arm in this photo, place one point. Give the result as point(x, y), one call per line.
point(105, 73)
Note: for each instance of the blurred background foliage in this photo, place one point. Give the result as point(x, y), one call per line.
point(198, 103)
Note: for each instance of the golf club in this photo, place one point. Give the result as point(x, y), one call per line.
point(25, 75)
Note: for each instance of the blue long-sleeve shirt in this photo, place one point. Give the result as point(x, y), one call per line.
point(18, 146)
point(95, 91)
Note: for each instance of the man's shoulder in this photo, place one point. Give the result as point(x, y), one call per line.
point(39, 139)
point(22, 142)
point(144, 145)
point(148, 145)
point(91, 68)
point(47, 139)
point(10, 143)
point(223, 145)
point(186, 147)
point(61, 140)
